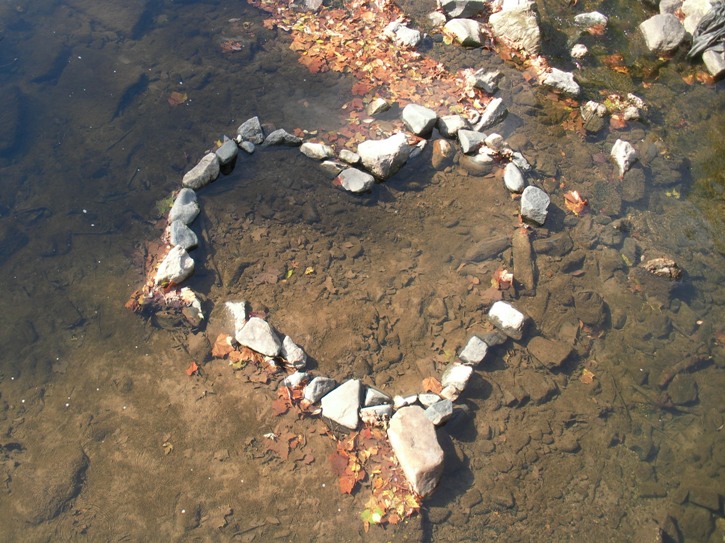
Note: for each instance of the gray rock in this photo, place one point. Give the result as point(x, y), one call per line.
point(259, 336)
point(513, 178)
point(480, 164)
point(534, 204)
point(373, 396)
point(494, 338)
point(588, 20)
point(475, 351)
point(624, 156)
point(176, 266)
point(462, 8)
point(562, 82)
point(670, 6)
point(293, 353)
point(663, 33)
point(185, 208)
point(714, 62)
point(403, 401)
point(418, 119)
point(342, 405)
point(449, 125)
point(251, 131)
point(349, 157)
point(487, 249)
point(440, 412)
point(507, 318)
point(467, 32)
point(518, 27)
point(354, 180)
point(317, 388)
point(520, 161)
point(493, 114)
point(206, 171)
point(443, 153)
point(486, 81)
point(180, 234)
point(384, 157)
point(227, 152)
point(427, 399)
point(402, 35)
point(333, 167)
point(495, 142)
point(319, 151)
point(237, 314)
point(247, 147)
point(282, 137)
point(413, 438)
point(471, 141)
point(376, 413)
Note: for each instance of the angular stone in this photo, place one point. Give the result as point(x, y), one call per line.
point(534, 204)
point(333, 167)
point(319, 151)
point(373, 396)
point(238, 314)
point(282, 137)
point(418, 119)
point(427, 399)
point(462, 8)
point(449, 125)
point(295, 379)
point(185, 208)
point(440, 412)
point(513, 178)
point(402, 35)
point(293, 353)
point(486, 81)
point(714, 62)
point(342, 405)
point(694, 11)
point(376, 106)
point(480, 164)
point(517, 26)
point(624, 156)
point(259, 336)
point(247, 147)
point(251, 131)
point(354, 180)
point(403, 401)
point(520, 161)
point(471, 141)
point(456, 376)
point(663, 33)
point(349, 157)
point(180, 234)
point(467, 32)
point(176, 266)
point(443, 153)
point(562, 82)
point(475, 351)
point(227, 152)
point(317, 388)
point(385, 157)
point(495, 142)
point(549, 352)
point(376, 413)
point(493, 114)
point(507, 318)
point(206, 171)
point(523, 260)
point(413, 438)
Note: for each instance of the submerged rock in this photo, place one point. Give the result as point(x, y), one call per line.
point(354, 180)
point(259, 336)
point(663, 267)
point(624, 156)
point(588, 20)
point(185, 208)
point(206, 171)
point(534, 205)
point(384, 157)
point(342, 404)
point(176, 267)
point(549, 352)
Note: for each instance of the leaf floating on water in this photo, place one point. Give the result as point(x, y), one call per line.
point(587, 377)
point(177, 98)
point(192, 369)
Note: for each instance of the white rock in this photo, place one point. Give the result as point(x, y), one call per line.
point(588, 20)
point(475, 351)
point(624, 156)
point(332, 167)
point(418, 119)
point(579, 50)
point(493, 114)
point(375, 414)
point(513, 178)
point(402, 35)
point(437, 19)
point(295, 379)
point(176, 266)
point(349, 157)
point(373, 396)
point(534, 204)
point(714, 62)
point(378, 105)
point(413, 438)
point(467, 32)
point(319, 151)
point(317, 388)
point(427, 399)
point(495, 142)
point(354, 180)
point(507, 319)
point(486, 81)
point(258, 335)
point(206, 171)
point(384, 157)
point(517, 26)
point(293, 353)
point(238, 314)
point(663, 33)
point(562, 82)
point(402, 401)
point(520, 161)
point(457, 376)
point(343, 404)
point(695, 10)
point(470, 141)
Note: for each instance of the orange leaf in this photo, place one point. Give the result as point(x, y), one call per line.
point(431, 384)
point(574, 202)
point(192, 369)
point(347, 483)
point(222, 346)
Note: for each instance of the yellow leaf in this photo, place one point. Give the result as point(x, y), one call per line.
point(309, 270)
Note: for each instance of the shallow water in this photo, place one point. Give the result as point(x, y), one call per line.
point(104, 437)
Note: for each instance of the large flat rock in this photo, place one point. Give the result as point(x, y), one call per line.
point(342, 405)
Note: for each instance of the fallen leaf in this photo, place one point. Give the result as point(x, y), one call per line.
point(222, 346)
point(587, 377)
point(177, 98)
point(192, 369)
point(431, 384)
point(574, 202)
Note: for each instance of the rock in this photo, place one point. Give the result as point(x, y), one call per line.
point(449, 125)
point(317, 388)
point(427, 399)
point(385, 157)
point(578, 50)
point(176, 266)
point(295, 379)
point(293, 353)
point(439, 412)
point(402, 35)
point(403, 401)
point(593, 116)
point(418, 119)
point(695, 10)
point(180, 234)
point(376, 106)
point(562, 82)
point(467, 32)
point(456, 376)
point(523, 260)
point(624, 156)
point(437, 19)
point(206, 171)
point(413, 438)
point(471, 141)
point(11, 118)
point(247, 147)
point(663, 33)
point(480, 164)
point(354, 180)
point(486, 81)
point(588, 20)
point(520, 161)
point(349, 157)
point(633, 185)
point(714, 62)
point(282, 137)
point(185, 208)
point(493, 114)
point(534, 204)
point(237, 314)
point(342, 404)
point(319, 151)
point(442, 155)
point(462, 8)
point(663, 267)
point(227, 152)
point(507, 319)
point(518, 27)
point(709, 498)
point(475, 351)
point(259, 336)
point(682, 390)
point(670, 6)
point(487, 249)
point(373, 396)
point(590, 308)
point(332, 167)
point(513, 178)
point(495, 142)
point(556, 245)
point(251, 131)
point(376, 413)
point(549, 352)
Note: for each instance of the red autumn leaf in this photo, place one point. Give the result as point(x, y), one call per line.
point(338, 463)
point(361, 88)
point(280, 406)
point(192, 369)
point(347, 483)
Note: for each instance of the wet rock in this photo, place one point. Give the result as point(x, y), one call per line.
point(633, 185)
point(443, 153)
point(507, 319)
point(319, 151)
point(513, 178)
point(495, 142)
point(413, 438)
point(694, 11)
point(534, 205)
point(180, 234)
point(630, 252)
point(293, 353)
point(708, 498)
point(538, 387)
point(578, 51)
point(427, 399)
point(462, 8)
point(402, 35)
point(251, 131)
point(480, 164)
point(282, 137)
point(493, 114)
point(317, 388)
point(373, 396)
point(663, 33)
point(714, 62)
point(377, 106)
point(590, 308)
point(494, 338)
point(440, 412)
point(206, 171)
point(695, 523)
point(227, 152)
point(454, 380)
point(247, 147)
point(517, 26)
point(523, 260)
point(471, 141)
point(475, 351)
point(259, 336)
point(418, 119)
point(176, 267)
point(333, 167)
point(384, 157)
point(185, 208)
point(467, 32)
point(593, 116)
point(349, 157)
point(568, 443)
point(376, 413)
point(556, 245)
point(486, 81)
point(549, 352)
point(663, 267)
point(682, 390)
point(10, 118)
point(640, 442)
point(487, 249)
point(562, 82)
point(624, 156)
point(449, 125)
point(342, 405)
point(354, 180)
point(520, 161)
point(588, 20)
